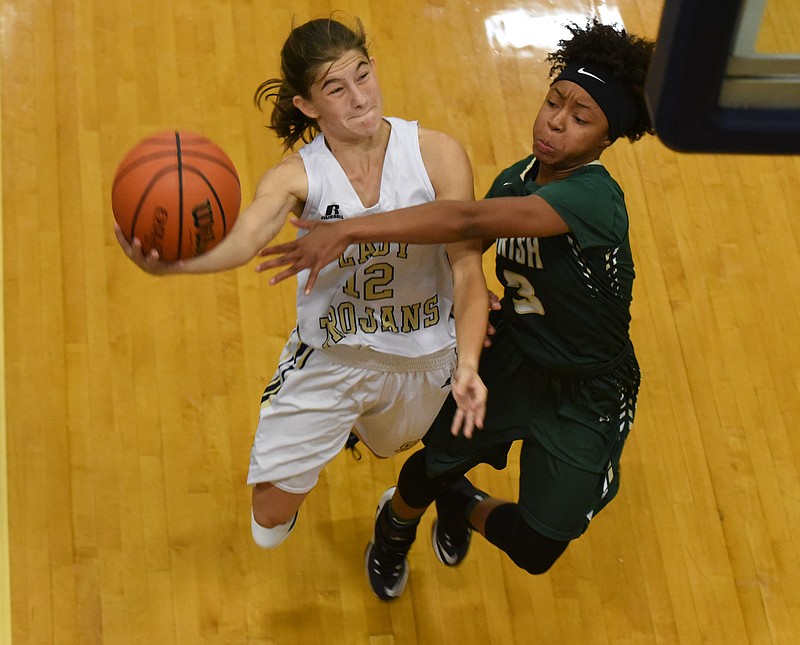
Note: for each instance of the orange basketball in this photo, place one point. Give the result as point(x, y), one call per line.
point(177, 192)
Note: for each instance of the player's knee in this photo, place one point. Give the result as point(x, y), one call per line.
point(528, 558)
point(268, 537)
point(414, 485)
point(533, 564)
point(527, 548)
point(532, 551)
point(270, 524)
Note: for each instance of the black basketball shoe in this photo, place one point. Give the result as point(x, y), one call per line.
point(385, 558)
point(451, 533)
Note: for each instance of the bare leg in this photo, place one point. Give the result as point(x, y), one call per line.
point(481, 511)
point(403, 510)
point(272, 506)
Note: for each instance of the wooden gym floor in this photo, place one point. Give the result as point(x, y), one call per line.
point(130, 401)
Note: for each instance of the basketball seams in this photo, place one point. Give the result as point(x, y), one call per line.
point(180, 192)
point(146, 193)
point(125, 169)
point(187, 168)
point(215, 160)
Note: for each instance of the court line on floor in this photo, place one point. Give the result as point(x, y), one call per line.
point(5, 583)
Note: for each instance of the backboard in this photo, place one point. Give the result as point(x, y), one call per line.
point(711, 88)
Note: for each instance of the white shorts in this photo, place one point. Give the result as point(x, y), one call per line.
point(318, 396)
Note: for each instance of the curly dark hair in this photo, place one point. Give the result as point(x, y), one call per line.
point(625, 55)
point(309, 48)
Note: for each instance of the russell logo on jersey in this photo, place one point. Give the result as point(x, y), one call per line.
point(332, 212)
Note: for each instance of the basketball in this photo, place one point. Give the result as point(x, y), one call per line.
point(177, 192)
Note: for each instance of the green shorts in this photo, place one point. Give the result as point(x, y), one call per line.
point(572, 434)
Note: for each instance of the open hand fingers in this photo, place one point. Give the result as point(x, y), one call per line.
point(463, 423)
point(274, 263)
point(288, 273)
point(471, 402)
point(126, 246)
point(490, 331)
point(458, 423)
point(277, 249)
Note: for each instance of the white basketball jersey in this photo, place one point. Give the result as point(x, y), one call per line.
point(390, 297)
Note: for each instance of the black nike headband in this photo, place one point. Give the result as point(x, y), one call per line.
point(614, 97)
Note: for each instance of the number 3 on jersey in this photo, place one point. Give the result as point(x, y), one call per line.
point(526, 301)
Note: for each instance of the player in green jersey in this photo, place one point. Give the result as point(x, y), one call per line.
point(561, 370)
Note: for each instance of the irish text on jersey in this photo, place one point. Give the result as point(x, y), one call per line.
point(522, 250)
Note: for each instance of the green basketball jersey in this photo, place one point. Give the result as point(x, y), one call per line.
point(567, 298)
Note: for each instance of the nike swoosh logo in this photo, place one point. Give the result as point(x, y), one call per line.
point(585, 73)
point(450, 559)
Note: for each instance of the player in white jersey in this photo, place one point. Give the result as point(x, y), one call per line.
point(374, 350)
point(392, 298)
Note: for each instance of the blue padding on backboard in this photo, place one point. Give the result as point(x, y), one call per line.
point(694, 44)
